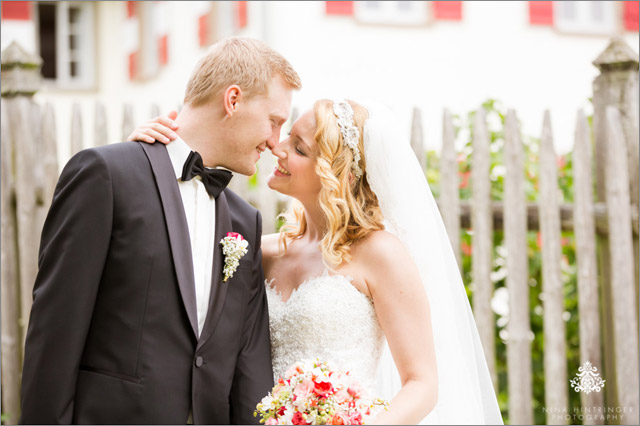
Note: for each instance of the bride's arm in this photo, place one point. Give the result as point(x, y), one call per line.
point(157, 129)
point(402, 308)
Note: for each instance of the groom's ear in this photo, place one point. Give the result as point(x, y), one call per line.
point(232, 96)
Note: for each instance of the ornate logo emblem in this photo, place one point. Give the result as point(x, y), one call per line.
point(587, 380)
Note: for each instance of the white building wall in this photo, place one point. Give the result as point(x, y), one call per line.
point(493, 52)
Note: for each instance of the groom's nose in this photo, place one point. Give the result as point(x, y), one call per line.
point(273, 141)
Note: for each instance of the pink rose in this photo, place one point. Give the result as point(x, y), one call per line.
point(235, 235)
point(355, 419)
point(355, 390)
point(293, 371)
point(336, 420)
point(322, 389)
point(342, 396)
point(303, 389)
point(271, 421)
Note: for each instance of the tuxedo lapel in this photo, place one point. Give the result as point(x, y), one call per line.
point(176, 226)
point(218, 288)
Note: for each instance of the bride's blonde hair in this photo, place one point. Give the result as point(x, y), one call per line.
point(349, 205)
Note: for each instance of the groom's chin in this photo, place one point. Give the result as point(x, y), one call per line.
point(245, 169)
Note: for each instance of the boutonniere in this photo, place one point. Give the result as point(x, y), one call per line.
point(234, 246)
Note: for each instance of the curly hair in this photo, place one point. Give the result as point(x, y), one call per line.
point(349, 205)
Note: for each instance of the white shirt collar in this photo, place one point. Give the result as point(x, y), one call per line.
point(178, 152)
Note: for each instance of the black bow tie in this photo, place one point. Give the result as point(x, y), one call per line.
point(215, 180)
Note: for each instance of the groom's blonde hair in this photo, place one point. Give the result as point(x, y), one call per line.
point(246, 62)
point(349, 204)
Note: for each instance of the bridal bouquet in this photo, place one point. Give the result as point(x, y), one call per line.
point(314, 394)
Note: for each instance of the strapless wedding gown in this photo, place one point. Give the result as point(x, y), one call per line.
point(326, 317)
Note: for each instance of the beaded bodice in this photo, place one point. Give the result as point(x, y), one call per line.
point(326, 317)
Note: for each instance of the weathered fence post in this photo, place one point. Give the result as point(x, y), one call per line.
point(77, 144)
point(622, 279)
point(10, 293)
point(127, 121)
point(617, 85)
point(515, 236)
point(555, 351)
point(449, 200)
point(20, 236)
point(584, 229)
point(100, 133)
point(482, 224)
point(417, 137)
point(48, 148)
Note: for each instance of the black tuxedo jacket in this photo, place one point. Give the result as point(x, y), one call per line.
point(112, 336)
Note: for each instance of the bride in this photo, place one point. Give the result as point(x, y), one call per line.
point(362, 274)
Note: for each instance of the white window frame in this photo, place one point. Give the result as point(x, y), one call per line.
point(583, 22)
point(148, 58)
point(390, 13)
point(84, 54)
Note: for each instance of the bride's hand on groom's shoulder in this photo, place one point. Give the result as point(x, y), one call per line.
point(159, 129)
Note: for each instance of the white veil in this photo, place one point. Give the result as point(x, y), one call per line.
point(465, 391)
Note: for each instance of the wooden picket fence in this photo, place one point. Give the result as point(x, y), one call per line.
point(605, 227)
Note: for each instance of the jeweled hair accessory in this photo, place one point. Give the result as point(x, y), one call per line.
point(350, 133)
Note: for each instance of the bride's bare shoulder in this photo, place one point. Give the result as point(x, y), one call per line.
point(380, 250)
point(380, 244)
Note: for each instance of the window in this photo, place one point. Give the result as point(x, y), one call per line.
point(146, 38)
point(66, 43)
point(392, 12)
point(586, 17)
point(220, 19)
point(151, 53)
point(397, 12)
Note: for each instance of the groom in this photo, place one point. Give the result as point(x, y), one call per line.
point(134, 320)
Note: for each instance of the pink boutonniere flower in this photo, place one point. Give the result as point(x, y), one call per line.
point(234, 246)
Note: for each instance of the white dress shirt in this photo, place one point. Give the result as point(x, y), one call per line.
point(200, 210)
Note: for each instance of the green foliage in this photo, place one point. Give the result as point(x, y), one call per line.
point(464, 130)
point(253, 180)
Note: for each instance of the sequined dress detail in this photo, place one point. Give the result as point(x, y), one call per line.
point(326, 317)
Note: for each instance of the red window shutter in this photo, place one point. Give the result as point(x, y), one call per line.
point(133, 65)
point(16, 10)
point(163, 50)
point(241, 14)
point(447, 10)
point(630, 15)
point(339, 7)
point(541, 12)
point(203, 30)
point(131, 9)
